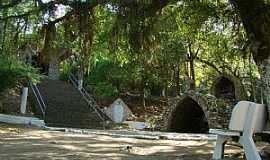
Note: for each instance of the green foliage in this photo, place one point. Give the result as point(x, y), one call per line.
point(13, 72)
point(66, 69)
point(104, 79)
point(136, 46)
point(105, 89)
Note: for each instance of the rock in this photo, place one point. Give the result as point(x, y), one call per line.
point(53, 142)
point(10, 101)
point(118, 111)
point(136, 125)
point(126, 148)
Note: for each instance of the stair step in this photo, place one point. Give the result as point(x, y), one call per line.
point(66, 107)
point(82, 125)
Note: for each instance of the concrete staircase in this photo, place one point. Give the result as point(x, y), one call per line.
point(66, 107)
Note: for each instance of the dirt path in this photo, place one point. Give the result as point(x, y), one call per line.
point(21, 143)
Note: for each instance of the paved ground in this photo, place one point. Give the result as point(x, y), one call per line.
point(22, 143)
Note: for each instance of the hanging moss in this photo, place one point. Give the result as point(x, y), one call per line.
point(136, 20)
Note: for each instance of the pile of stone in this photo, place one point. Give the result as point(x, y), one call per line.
point(10, 101)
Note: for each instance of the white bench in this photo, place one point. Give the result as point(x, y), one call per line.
point(247, 119)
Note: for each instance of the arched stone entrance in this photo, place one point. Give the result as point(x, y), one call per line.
point(224, 88)
point(228, 87)
point(188, 117)
point(193, 104)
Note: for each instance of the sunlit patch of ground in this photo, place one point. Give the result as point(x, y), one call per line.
point(22, 143)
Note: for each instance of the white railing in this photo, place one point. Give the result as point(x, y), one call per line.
point(38, 96)
point(89, 99)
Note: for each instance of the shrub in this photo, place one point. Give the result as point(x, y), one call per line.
point(104, 79)
point(65, 70)
point(105, 89)
point(13, 72)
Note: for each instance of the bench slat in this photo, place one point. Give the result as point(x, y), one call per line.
point(266, 132)
point(225, 132)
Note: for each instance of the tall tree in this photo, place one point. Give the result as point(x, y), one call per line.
point(255, 15)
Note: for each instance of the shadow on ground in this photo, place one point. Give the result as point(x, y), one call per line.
point(34, 144)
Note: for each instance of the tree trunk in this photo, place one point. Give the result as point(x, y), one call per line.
point(177, 80)
point(192, 74)
point(264, 69)
point(3, 37)
point(143, 87)
point(256, 21)
point(54, 69)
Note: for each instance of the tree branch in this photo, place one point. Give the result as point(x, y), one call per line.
point(255, 18)
point(196, 53)
point(233, 72)
point(209, 64)
point(17, 16)
point(12, 4)
point(67, 15)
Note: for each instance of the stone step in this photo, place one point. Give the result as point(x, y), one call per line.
point(66, 107)
point(75, 123)
point(67, 119)
point(71, 110)
point(82, 125)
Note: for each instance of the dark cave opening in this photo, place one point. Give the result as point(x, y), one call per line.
point(224, 88)
point(188, 117)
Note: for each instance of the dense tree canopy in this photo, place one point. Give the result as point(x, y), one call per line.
point(151, 47)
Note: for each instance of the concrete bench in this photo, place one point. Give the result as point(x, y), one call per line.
point(247, 119)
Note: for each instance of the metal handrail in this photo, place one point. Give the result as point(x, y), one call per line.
point(90, 101)
point(39, 98)
point(42, 101)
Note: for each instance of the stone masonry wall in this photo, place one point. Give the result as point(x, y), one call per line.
point(217, 111)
